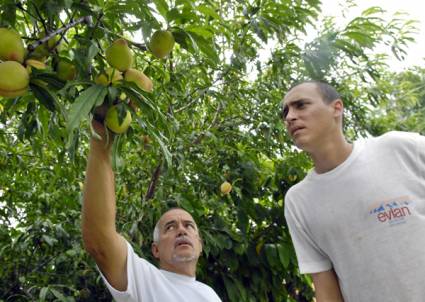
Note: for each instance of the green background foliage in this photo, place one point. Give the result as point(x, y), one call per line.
point(213, 116)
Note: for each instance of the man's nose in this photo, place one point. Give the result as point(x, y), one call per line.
point(181, 230)
point(290, 115)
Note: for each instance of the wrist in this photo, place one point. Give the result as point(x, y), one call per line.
point(100, 147)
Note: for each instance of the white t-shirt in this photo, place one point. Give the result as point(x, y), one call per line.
point(146, 283)
point(366, 220)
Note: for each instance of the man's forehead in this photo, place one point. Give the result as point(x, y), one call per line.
point(176, 214)
point(299, 92)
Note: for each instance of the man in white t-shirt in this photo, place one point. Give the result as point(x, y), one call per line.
point(357, 220)
point(177, 243)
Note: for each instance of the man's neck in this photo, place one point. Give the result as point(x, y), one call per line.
point(331, 155)
point(183, 269)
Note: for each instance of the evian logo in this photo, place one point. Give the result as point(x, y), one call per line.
point(394, 211)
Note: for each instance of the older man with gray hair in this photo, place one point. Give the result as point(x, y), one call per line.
point(177, 243)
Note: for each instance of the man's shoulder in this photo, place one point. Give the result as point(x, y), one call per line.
point(207, 289)
point(297, 190)
point(394, 139)
point(136, 259)
point(397, 136)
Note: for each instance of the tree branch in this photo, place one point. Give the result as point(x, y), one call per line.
point(86, 19)
point(138, 45)
point(154, 181)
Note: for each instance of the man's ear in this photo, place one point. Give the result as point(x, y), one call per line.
point(338, 106)
point(155, 250)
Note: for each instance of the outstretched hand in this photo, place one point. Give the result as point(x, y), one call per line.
point(99, 130)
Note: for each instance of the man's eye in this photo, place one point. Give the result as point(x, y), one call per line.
point(284, 113)
point(300, 105)
point(169, 227)
point(190, 225)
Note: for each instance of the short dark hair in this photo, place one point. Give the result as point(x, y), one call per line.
point(328, 92)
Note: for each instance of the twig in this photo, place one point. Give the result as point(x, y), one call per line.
point(96, 24)
point(198, 89)
point(213, 122)
point(138, 45)
point(40, 17)
point(33, 46)
point(245, 32)
point(19, 5)
point(154, 181)
point(215, 117)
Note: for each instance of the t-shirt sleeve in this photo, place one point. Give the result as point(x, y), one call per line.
point(130, 295)
point(411, 146)
point(311, 259)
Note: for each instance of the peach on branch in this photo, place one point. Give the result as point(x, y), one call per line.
point(114, 122)
point(14, 79)
point(119, 55)
point(139, 78)
point(110, 75)
point(161, 43)
point(65, 70)
point(225, 188)
point(11, 46)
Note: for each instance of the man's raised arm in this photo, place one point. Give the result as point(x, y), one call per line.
point(100, 237)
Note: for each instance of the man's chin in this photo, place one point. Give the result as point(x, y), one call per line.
point(182, 258)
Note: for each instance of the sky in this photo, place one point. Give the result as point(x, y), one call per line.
point(414, 8)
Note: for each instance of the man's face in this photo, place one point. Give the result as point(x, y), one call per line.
point(179, 240)
point(308, 119)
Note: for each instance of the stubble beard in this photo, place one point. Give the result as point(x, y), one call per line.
point(183, 259)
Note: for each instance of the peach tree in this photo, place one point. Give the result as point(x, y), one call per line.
point(194, 103)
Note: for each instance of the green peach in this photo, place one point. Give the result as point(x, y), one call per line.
point(119, 55)
point(114, 124)
point(139, 78)
point(12, 47)
point(162, 43)
point(14, 79)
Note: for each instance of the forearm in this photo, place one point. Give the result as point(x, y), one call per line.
point(99, 208)
point(327, 287)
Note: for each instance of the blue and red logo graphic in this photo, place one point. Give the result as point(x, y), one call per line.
point(393, 211)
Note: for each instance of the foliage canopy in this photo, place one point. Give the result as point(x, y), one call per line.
point(212, 117)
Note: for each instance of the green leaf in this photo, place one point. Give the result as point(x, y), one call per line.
point(231, 288)
point(271, 254)
point(43, 293)
point(205, 45)
point(92, 52)
point(47, 77)
point(185, 40)
point(163, 146)
point(373, 10)
point(58, 295)
point(89, 98)
point(44, 95)
point(117, 160)
point(49, 240)
point(162, 7)
point(208, 11)
point(284, 254)
point(203, 31)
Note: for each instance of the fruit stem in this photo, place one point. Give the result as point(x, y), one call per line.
point(138, 45)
